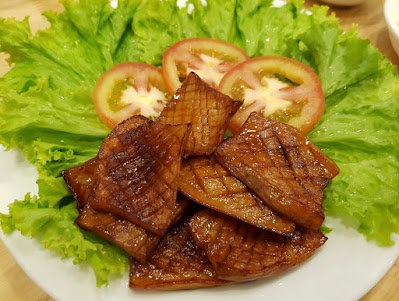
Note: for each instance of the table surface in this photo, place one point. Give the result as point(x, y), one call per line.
point(16, 285)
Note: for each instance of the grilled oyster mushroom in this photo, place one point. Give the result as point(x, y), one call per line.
point(208, 183)
point(137, 171)
point(177, 263)
point(208, 110)
point(80, 181)
point(241, 252)
point(281, 166)
point(135, 240)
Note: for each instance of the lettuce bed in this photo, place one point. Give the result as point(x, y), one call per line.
point(47, 111)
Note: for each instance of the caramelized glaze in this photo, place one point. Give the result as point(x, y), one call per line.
point(208, 110)
point(208, 183)
point(136, 174)
point(177, 263)
point(241, 252)
point(281, 166)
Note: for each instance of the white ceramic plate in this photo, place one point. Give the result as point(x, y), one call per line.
point(345, 268)
point(391, 8)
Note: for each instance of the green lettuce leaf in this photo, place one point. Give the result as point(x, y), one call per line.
point(47, 111)
point(56, 229)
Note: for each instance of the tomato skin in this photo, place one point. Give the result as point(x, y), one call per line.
point(145, 81)
point(308, 90)
point(185, 56)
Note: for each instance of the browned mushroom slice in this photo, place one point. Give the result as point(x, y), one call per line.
point(135, 240)
point(208, 183)
point(80, 181)
point(177, 263)
point(208, 110)
point(241, 252)
point(137, 171)
point(281, 166)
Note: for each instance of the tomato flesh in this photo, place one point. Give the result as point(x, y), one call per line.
point(280, 88)
point(130, 89)
point(210, 59)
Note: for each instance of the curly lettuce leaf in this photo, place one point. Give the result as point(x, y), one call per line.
point(56, 229)
point(47, 110)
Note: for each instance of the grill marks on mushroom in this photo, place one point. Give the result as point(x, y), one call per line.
point(263, 181)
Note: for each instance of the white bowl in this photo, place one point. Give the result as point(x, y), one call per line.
point(391, 12)
point(344, 2)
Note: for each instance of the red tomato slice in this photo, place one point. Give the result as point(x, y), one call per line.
point(210, 59)
point(129, 89)
point(281, 88)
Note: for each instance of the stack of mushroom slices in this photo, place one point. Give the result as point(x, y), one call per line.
point(196, 211)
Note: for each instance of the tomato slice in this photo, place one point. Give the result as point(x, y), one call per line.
point(281, 88)
point(210, 59)
point(130, 89)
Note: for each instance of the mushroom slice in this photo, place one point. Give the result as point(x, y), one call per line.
point(241, 252)
point(208, 183)
point(177, 263)
point(281, 166)
point(135, 240)
point(137, 171)
point(208, 110)
point(80, 181)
